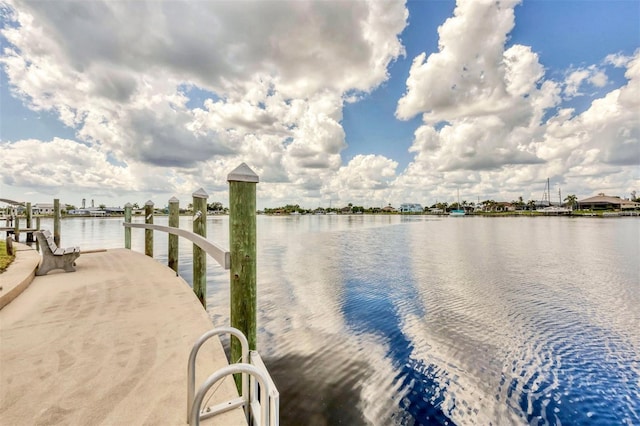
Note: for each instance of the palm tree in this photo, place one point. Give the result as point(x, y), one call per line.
point(489, 205)
point(571, 200)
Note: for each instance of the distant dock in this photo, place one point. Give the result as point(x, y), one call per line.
point(107, 344)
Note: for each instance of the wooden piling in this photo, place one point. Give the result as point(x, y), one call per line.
point(174, 221)
point(56, 221)
point(242, 241)
point(16, 227)
point(127, 231)
point(148, 233)
point(30, 233)
point(199, 255)
point(38, 228)
point(9, 246)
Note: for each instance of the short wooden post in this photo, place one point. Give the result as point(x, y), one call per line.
point(148, 233)
point(199, 255)
point(16, 228)
point(242, 242)
point(56, 221)
point(9, 246)
point(127, 231)
point(29, 233)
point(174, 221)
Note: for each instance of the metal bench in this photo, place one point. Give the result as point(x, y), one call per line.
point(54, 257)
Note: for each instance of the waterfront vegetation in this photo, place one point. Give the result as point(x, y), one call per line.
point(434, 210)
point(5, 259)
point(489, 207)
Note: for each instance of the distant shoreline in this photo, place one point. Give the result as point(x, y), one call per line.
point(597, 214)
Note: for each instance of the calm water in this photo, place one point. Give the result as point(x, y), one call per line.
point(417, 320)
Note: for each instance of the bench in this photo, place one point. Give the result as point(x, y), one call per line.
point(54, 257)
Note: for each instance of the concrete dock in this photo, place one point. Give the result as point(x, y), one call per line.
point(105, 345)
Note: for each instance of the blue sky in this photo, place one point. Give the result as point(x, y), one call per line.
point(325, 100)
point(562, 43)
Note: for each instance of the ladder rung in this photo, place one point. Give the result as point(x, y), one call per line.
point(221, 408)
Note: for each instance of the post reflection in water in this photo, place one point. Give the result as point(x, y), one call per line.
point(419, 320)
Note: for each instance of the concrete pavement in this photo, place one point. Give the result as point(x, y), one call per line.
point(19, 274)
point(105, 345)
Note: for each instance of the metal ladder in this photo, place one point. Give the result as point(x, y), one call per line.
point(261, 405)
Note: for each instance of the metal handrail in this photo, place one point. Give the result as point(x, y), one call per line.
point(257, 374)
point(222, 256)
point(191, 367)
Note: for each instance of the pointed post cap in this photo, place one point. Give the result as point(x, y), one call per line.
point(148, 203)
point(173, 200)
point(242, 173)
point(128, 206)
point(200, 193)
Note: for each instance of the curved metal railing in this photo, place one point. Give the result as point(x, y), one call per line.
point(261, 407)
point(191, 367)
point(222, 256)
point(261, 417)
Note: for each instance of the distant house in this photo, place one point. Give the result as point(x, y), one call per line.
point(411, 208)
point(606, 202)
point(47, 208)
point(504, 206)
point(93, 211)
point(389, 209)
point(42, 208)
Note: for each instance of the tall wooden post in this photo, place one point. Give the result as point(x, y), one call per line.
point(16, 227)
point(174, 221)
point(56, 221)
point(242, 241)
point(127, 231)
point(38, 228)
point(29, 233)
point(199, 255)
point(148, 233)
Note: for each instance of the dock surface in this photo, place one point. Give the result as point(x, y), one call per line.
point(106, 345)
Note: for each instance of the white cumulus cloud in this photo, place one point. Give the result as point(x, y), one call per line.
point(493, 123)
point(272, 75)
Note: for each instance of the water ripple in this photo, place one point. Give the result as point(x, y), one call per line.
point(418, 321)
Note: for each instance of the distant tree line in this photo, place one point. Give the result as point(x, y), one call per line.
point(488, 205)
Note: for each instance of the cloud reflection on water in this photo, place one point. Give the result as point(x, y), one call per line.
point(391, 320)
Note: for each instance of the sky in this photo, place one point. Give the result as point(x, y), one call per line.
point(329, 102)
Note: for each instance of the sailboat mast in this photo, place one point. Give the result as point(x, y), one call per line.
point(546, 195)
